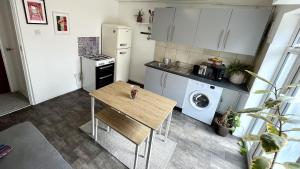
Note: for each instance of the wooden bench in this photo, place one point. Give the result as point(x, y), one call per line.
point(129, 128)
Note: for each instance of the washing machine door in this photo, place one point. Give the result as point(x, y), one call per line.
point(199, 100)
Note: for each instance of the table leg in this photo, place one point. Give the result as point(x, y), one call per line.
point(168, 126)
point(149, 149)
point(93, 115)
point(136, 156)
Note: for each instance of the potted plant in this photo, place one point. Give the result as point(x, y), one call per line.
point(139, 16)
point(236, 72)
point(277, 125)
point(226, 123)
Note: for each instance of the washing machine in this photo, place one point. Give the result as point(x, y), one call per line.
point(201, 101)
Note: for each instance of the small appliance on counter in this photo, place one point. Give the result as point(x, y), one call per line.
point(210, 71)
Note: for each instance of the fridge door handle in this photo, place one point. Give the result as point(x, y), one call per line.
point(123, 53)
point(123, 44)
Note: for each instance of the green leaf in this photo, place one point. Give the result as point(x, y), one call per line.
point(294, 139)
point(292, 85)
point(292, 121)
point(258, 116)
point(293, 129)
point(272, 143)
point(270, 103)
point(261, 163)
point(251, 137)
point(251, 110)
point(272, 129)
point(260, 78)
point(262, 91)
point(289, 165)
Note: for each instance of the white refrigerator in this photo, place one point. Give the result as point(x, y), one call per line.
point(116, 42)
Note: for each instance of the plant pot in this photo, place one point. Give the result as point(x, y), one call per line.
point(237, 78)
point(139, 19)
point(221, 130)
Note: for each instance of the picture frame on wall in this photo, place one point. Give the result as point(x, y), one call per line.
point(35, 11)
point(61, 23)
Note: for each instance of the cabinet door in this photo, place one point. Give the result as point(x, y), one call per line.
point(162, 23)
point(212, 26)
point(175, 88)
point(185, 25)
point(245, 30)
point(153, 80)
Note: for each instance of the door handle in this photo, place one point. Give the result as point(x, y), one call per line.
point(104, 77)
point(220, 37)
point(226, 38)
point(123, 44)
point(105, 67)
point(123, 53)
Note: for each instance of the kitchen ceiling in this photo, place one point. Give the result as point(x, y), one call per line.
point(223, 2)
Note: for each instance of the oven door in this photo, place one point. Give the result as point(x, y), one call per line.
point(104, 75)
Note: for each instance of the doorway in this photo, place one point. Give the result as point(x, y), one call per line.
point(13, 86)
point(4, 86)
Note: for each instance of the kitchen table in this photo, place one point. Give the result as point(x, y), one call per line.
point(147, 108)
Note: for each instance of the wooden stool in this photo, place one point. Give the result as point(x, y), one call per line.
point(129, 128)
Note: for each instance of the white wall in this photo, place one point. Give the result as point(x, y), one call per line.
point(53, 61)
point(12, 58)
point(142, 50)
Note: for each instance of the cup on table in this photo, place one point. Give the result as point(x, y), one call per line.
point(133, 92)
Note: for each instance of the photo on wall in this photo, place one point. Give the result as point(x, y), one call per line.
point(35, 11)
point(61, 23)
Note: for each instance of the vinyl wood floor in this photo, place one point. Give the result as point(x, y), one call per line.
point(58, 119)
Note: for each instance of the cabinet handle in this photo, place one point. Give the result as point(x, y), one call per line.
point(161, 79)
point(220, 37)
point(168, 32)
point(173, 30)
point(165, 80)
point(226, 38)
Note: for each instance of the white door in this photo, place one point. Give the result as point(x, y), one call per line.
point(154, 80)
point(212, 26)
point(245, 30)
point(185, 25)
point(124, 38)
point(162, 23)
point(175, 87)
point(122, 65)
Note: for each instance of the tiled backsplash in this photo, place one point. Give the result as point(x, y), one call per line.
point(88, 46)
point(193, 56)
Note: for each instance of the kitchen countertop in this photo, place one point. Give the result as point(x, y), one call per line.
point(186, 72)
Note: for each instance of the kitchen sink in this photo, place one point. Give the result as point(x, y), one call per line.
point(173, 68)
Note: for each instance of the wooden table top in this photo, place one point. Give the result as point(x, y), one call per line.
point(147, 108)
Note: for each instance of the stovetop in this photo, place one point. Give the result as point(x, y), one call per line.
point(98, 57)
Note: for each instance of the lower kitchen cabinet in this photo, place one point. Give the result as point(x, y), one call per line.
point(153, 80)
point(175, 87)
point(166, 84)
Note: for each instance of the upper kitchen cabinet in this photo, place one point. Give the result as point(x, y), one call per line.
point(212, 27)
point(245, 30)
point(162, 24)
point(185, 25)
